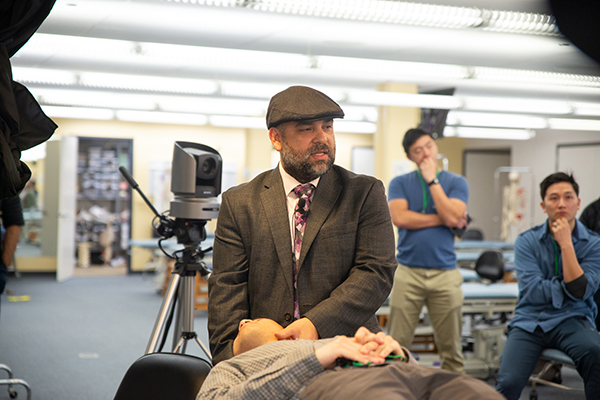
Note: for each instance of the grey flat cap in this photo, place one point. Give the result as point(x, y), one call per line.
point(301, 103)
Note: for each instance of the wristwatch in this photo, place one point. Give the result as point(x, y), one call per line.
point(435, 181)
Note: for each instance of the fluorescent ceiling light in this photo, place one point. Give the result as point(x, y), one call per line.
point(513, 76)
point(78, 112)
point(354, 126)
point(162, 117)
point(574, 124)
point(516, 105)
point(79, 98)
point(374, 97)
point(405, 13)
point(196, 59)
point(213, 105)
point(400, 71)
point(254, 90)
point(44, 76)
point(587, 109)
point(148, 83)
point(360, 113)
point(231, 121)
point(495, 120)
point(488, 133)
point(167, 57)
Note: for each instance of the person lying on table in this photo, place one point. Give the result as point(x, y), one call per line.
point(366, 365)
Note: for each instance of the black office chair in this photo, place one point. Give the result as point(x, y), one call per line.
point(164, 376)
point(473, 234)
point(490, 265)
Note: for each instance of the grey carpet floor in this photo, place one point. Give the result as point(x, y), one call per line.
point(75, 340)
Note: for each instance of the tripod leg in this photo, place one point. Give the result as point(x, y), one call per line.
point(204, 349)
point(180, 345)
point(163, 314)
point(184, 322)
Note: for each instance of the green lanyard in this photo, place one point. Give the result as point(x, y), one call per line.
point(426, 196)
point(555, 258)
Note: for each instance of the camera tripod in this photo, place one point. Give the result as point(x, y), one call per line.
point(180, 293)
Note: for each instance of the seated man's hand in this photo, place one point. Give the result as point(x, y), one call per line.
point(364, 347)
point(344, 347)
point(299, 329)
point(377, 344)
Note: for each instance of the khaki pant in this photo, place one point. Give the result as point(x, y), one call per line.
point(440, 291)
point(397, 381)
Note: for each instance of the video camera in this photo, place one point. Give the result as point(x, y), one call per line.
point(196, 174)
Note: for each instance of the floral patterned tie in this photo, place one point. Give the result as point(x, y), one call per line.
point(300, 213)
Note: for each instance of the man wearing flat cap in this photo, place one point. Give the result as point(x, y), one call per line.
point(308, 244)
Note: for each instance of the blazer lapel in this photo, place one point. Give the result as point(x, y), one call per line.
point(325, 197)
point(274, 202)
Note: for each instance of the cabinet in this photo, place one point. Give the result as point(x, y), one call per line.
point(103, 202)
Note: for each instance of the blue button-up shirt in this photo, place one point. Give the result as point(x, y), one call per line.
point(544, 300)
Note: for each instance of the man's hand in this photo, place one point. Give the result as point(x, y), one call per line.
point(428, 168)
point(364, 347)
point(299, 329)
point(462, 223)
point(561, 231)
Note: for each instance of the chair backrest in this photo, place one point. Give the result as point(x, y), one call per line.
point(160, 376)
point(490, 265)
point(473, 234)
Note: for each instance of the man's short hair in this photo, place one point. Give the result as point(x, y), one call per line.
point(556, 178)
point(411, 136)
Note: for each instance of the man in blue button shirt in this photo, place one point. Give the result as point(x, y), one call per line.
point(558, 270)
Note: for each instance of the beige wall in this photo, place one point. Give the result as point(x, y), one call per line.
point(453, 149)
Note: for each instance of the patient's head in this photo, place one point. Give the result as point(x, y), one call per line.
point(253, 333)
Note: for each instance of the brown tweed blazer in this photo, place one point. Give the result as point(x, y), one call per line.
point(346, 266)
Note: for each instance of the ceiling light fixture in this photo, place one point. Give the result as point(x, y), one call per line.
point(82, 98)
point(516, 105)
point(354, 126)
point(495, 120)
point(503, 75)
point(586, 109)
point(78, 112)
point(44, 76)
point(195, 59)
point(232, 121)
point(374, 97)
point(161, 117)
point(401, 13)
point(213, 105)
point(488, 133)
point(148, 83)
point(574, 124)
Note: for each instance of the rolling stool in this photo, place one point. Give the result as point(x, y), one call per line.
point(552, 357)
point(11, 381)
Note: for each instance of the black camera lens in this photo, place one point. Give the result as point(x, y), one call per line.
point(207, 167)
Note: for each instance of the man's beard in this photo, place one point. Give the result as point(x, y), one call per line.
point(299, 165)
